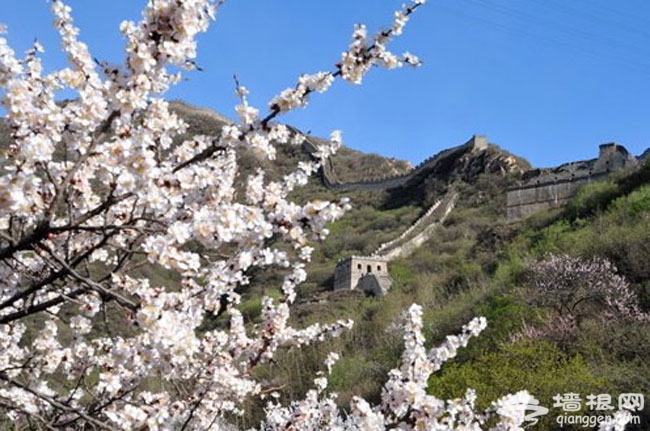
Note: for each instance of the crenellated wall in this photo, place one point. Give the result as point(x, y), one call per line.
point(420, 231)
point(543, 189)
point(476, 143)
point(419, 237)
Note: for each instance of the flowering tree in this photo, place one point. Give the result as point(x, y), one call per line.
point(94, 188)
point(576, 287)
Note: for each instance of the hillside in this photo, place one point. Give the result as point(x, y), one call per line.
point(587, 335)
point(480, 264)
point(351, 165)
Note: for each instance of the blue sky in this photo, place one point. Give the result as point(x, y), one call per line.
point(546, 79)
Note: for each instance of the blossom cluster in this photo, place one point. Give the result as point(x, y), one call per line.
point(574, 289)
point(365, 51)
point(405, 403)
point(576, 286)
point(618, 421)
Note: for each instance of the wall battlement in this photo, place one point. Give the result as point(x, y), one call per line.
point(542, 189)
point(476, 143)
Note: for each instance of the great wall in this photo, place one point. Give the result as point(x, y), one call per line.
point(330, 179)
point(537, 190)
point(370, 273)
point(420, 231)
point(542, 189)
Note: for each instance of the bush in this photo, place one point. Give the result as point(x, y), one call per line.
point(635, 204)
point(537, 365)
point(583, 288)
point(592, 198)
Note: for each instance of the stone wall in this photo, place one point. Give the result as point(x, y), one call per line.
point(374, 284)
point(407, 248)
point(476, 143)
point(543, 189)
point(420, 231)
point(370, 273)
point(396, 241)
point(525, 201)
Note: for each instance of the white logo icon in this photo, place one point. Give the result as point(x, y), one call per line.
point(532, 407)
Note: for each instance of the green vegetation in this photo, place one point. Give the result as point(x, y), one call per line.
point(477, 264)
point(537, 366)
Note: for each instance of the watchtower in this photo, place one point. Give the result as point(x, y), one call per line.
point(351, 269)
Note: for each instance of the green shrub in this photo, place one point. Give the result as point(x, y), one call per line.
point(251, 308)
point(510, 271)
point(505, 314)
point(553, 239)
point(357, 375)
point(536, 366)
point(592, 198)
point(468, 274)
point(401, 274)
point(635, 203)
